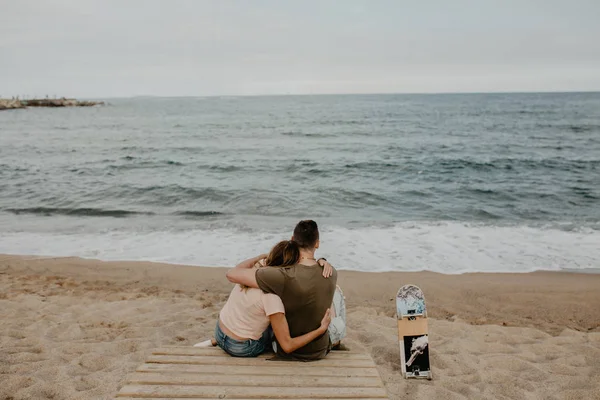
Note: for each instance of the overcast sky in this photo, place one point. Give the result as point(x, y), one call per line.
point(105, 48)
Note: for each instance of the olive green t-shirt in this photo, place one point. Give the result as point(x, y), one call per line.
point(306, 295)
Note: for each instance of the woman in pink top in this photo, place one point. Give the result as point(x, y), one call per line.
point(243, 326)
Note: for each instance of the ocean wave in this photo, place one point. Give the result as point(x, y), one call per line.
point(372, 165)
point(166, 195)
point(498, 195)
point(353, 198)
point(308, 134)
point(480, 213)
point(198, 213)
point(300, 166)
point(513, 163)
point(463, 164)
point(584, 128)
point(81, 212)
point(12, 168)
point(142, 149)
point(576, 128)
point(584, 192)
point(444, 247)
point(150, 164)
point(96, 212)
point(143, 164)
point(526, 112)
point(221, 168)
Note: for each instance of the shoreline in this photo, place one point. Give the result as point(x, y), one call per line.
point(584, 271)
point(75, 328)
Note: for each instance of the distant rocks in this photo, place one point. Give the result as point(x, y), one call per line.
point(11, 104)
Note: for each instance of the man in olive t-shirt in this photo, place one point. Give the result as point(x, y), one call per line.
point(306, 295)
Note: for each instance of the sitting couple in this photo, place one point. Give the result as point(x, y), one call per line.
point(290, 291)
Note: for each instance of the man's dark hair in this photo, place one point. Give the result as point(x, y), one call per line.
point(306, 234)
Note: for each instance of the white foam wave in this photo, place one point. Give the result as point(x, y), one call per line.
point(448, 247)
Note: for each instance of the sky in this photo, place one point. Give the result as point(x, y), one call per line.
point(105, 48)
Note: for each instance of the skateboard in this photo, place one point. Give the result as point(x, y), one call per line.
point(412, 332)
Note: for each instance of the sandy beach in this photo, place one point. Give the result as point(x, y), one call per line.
point(74, 328)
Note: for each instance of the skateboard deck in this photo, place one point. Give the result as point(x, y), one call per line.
point(412, 332)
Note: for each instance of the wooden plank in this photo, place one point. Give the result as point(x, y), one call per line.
point(416, 327)
point(215, 398)
point(217, 352)
point(153, 378)
point(203, 392)
point(216, 360)
point(315, 370)
point(200, 373)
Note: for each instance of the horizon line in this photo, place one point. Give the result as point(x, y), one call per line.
point(350, 94)
point(308, 94)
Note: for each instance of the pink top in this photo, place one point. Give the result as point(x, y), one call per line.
point(246, 312)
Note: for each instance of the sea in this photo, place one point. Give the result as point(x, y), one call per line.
point(451, 183)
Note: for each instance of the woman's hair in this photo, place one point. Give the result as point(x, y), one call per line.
point(283, 254)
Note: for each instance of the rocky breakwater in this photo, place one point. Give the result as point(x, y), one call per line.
point(6, 104)
point(10, 104)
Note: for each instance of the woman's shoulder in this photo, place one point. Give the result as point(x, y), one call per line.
point(271, 300)
point(245, 292)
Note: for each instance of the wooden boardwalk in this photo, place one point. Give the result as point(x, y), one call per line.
point(209, 373)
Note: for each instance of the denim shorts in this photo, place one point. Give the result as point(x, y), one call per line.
point(246, 348)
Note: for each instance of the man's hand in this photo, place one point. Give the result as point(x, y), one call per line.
point(327, 268)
